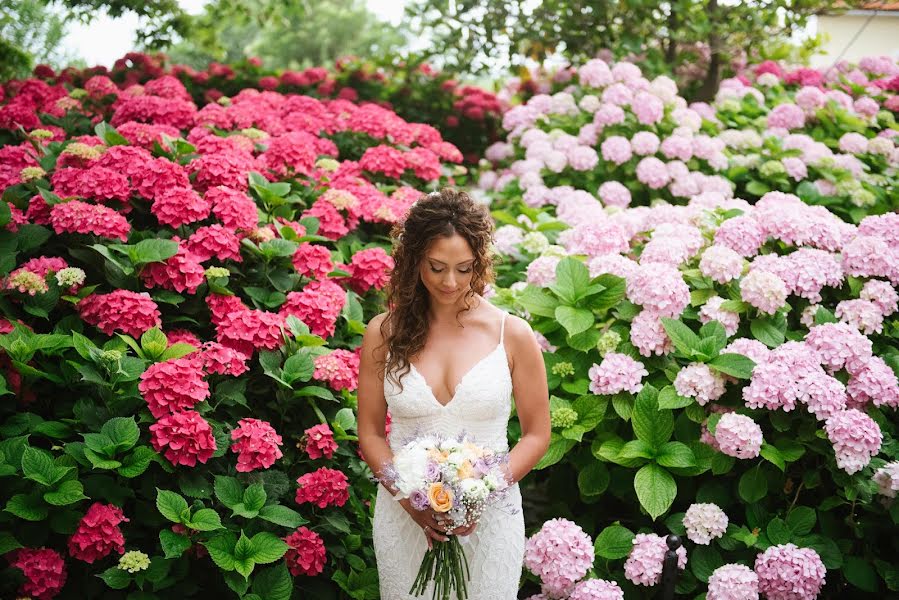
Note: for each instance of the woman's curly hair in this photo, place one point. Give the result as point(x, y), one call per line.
point(438, 214)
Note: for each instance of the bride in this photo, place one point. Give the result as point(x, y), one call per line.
point(443, 360)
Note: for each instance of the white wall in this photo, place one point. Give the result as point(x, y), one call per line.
point(880, 36)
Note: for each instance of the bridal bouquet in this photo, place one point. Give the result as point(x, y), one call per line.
point(459, 479)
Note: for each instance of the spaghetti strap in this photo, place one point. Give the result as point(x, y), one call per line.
point(502, 327)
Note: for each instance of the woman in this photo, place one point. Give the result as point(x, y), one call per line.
point(445, 361)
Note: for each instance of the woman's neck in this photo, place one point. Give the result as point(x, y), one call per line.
point(440, 314)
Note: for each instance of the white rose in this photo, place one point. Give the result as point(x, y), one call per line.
point(475, 489)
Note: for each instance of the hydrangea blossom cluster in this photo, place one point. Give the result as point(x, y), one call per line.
point(319, 441)
point(786, 572)
point(98, 533)
point(617, 373)
point(256, 443)
point(44, 570)
point(704, 522)
point(306, 554)
point(323, 487)
point(733, 582)
point(644, 563)
point(560, 554)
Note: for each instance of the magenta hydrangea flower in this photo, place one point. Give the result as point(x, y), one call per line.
point(340, 368)
point(617, 373)
point(787, 572)
point(98, 533)
point(738, 436)
point(644, 564)
point(173, 385)
point(256, 444)
point(44, 570)
point(559, 554)
point(704, 522)
point(186, 437)
point(856, 438)
point(323, 487)
point(733, 582)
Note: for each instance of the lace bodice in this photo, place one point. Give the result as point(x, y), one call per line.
point(480, 405)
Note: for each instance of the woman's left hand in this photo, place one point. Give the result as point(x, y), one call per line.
point(464, 530)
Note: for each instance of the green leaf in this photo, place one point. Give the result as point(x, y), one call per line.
point(558, 447)
point(778, 532)
point(228, 490)
point(676, 454)
point(282, 515)
point(273, 583)
point(636, 449)
point(826, 548)
point(574, 320)
point(136, 462)
point(37, 465)
point(655, 489)
point(767, 332)
point(345, 419)
point(538, 302)
point(122, 432)
point(703, 562)
point(267, 547)
point(154, 250)
point(772, 455)
point(278, 247)
point(735, 365)
point(593, 479)
point(243, 556)
point(27, 506)
point(299, 366)
point(205, 519)
point(685, 341)
point(801, 520)
point(173, 544)
point(68, 492)
point(177, 350)
point(254, 497)
point(861, 574)
point(753, 485)
point(610, 296)
point(669, 398)
point(116, 578)
point(154, 342)
point(572, 280)
point(170, 505)
point(590, 410)
point(614, 542)
point(221, 550)
point(650, 424)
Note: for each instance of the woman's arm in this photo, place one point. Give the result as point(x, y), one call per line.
point(531, 398)
point(371, 411)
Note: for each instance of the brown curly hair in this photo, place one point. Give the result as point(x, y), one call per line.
point(438, 214)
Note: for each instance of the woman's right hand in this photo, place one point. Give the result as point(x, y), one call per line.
point(428, 521)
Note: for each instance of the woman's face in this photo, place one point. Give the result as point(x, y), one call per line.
point(446, 268)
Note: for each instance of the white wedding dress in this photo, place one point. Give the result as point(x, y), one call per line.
point(480, 407)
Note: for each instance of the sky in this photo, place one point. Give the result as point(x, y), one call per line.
point(116, 36)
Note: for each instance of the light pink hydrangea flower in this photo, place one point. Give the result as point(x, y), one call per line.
point(787, 572)
point(887, 479)
point(733, 582)
point(738, 436)
point(617, 373)
point(855, 436)
point(704, 522)
point(764, 290)
point(644, 564)
point(560, 554)
point(721, 264)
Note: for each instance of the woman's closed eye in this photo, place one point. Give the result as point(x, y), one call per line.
point(468, 270)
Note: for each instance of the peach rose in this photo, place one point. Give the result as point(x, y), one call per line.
point(465, 470)
point(440, 497)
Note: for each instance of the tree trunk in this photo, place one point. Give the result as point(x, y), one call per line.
point(713, 74)
point(671, 49)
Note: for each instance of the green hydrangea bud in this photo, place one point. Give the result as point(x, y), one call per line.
point(69, 277)
point(563, 369)
point(862, 197)
point(253, 133)
point(555, 250)
point(224, 101)
point(78, 93)
point(848, 187)
point(41, 134)
point(772, 168)
point(608, 342)
point(134, 561)
point(327, 164)
point(27, 282)
point(216, 272)
point(84, 151)
point(534, 242)
point(111, 356)
point(31, 173)
point(563, 418)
